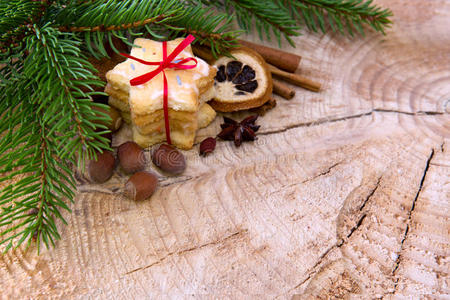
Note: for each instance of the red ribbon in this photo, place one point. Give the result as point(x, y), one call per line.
point(166, 63)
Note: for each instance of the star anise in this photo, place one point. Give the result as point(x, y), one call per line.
point(239, 131)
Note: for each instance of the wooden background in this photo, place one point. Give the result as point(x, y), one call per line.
point(345, 192)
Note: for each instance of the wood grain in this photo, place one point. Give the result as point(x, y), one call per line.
point(345, 192)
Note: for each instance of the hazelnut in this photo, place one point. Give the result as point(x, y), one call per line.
point(114, 114)
point(169, 159)
point(141, 185)
point(101, 169)
point(131, 157)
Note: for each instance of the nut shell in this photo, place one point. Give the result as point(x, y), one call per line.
point(141, 186)
point(131, 157)
point(114, 114)
point(169, 159)
point(101, 170)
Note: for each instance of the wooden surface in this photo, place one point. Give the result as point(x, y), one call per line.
point(345, 192)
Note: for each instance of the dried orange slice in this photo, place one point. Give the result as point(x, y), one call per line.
point(242, 81)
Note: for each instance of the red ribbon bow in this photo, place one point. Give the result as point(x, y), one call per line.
point(166, 63)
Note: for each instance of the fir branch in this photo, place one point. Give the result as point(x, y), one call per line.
point(16, 13)
point(114, 12)
point(40, 183)
point(47, 124)
point(18, 17)
point(210, 28)
point(115, 27)
point(265, 15)
point(342, 15)
point(99, 21)
point(60, 55)
point(268, 17)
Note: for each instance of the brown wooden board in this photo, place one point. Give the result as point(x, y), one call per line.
point(345, 192)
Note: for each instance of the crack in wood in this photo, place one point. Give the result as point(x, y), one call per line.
point(323, 173)
point(369, 113)
point(408, 221)
point(308, 179)
point(340, 242)
point(86, 187)
point(354, 228)
point(315, 123)
point(169, 181)
point(327, 120)
point(92, 188)
point(89, 188)
point(417, 113)
point(181, 252)
point(370, 194)
point(313, 271)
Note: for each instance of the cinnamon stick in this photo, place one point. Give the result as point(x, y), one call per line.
point(283, 60)
point(282, 89)
point(295, 79)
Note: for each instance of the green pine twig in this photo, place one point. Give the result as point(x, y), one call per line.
point(342, 15)
point(265, 15)
point(268, 17)
point(99, 22)
point(16, 22)
point(209, 27)
point(47, 125)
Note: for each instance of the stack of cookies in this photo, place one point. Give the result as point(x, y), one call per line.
point(142, 105)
